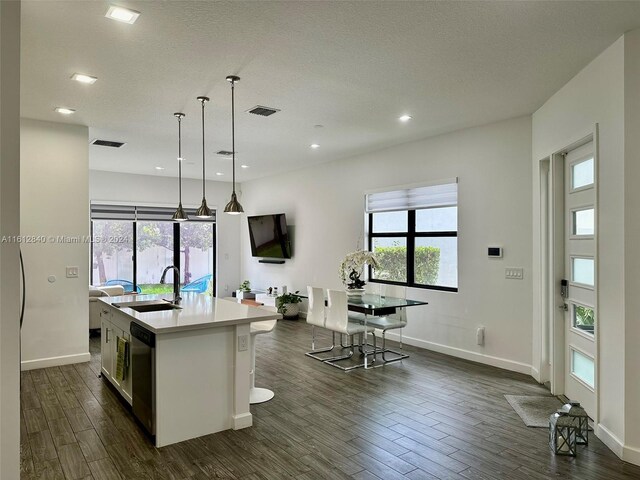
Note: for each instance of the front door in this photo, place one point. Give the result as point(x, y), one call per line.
point(581, 276)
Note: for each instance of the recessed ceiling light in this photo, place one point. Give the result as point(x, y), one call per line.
point(159, 168)
point(219, 173)
point(82, 78)
point(314, 145)
point(405, 118)
point(244, 166)
point(65, 111)
point(122, 14)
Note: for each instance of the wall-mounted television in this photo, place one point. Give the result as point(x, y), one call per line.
point(269, 236)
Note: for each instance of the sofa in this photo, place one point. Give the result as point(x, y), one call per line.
point(94, 305)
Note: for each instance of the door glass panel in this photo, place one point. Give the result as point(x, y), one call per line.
point(155, 252)
point(583, 367)
point(583, 318)
point(196, 247)
point(443, 219)
point(391, 253)
point(582, 270)
point(582, 174)
point(436, 261)
point(112, 253)
point(583, 222)
point(386, 222)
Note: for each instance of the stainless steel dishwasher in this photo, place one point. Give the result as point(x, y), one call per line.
point(143, 371)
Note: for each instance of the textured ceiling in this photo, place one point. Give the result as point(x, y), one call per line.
point(353, 67)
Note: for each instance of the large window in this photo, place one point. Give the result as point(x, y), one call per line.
point(133, 245)
point(414, 233)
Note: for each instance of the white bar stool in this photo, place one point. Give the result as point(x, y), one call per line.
point(257, 394)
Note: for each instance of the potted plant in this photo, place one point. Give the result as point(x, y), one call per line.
point(244, 291)
point(352, 267)
point(287, 304)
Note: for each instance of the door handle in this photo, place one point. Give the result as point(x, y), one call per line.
point(564, 307)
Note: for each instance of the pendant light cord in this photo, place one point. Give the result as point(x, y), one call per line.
point(180, 159)
point(233, 135)
point(203, 183)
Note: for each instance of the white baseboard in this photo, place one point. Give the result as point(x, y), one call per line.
point(535, 374)
point(55, 361)
point(465, 354)
point(243, 420)
point(631, 455)
point(609, 439)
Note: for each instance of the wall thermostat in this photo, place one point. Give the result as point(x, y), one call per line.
point(495, 252)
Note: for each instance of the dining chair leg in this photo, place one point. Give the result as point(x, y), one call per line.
point(313, 351)
point(400, 355)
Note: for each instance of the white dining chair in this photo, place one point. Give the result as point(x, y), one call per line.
point(316, 317)
point(393, 321)
point(257, 394)
point(339, 321)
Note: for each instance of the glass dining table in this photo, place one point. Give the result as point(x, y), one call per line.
point(374, 305)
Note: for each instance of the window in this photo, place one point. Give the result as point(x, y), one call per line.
point(414, 233)
point(133, 245)
point(582, 174)
point(583, 367)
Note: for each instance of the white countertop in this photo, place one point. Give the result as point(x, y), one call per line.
point(198, 312)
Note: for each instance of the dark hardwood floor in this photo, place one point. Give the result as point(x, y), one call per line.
point(430, 417)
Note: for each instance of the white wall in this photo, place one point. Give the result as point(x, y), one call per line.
point(54, 199)
point(9, 226)
point(325, 205)
point(632, 234)
point(596, 95)
point(157, 190)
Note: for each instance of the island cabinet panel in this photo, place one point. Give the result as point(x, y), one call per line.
point(114, 326)
point(202, 362)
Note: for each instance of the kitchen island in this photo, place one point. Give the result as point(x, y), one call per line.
point(185, 370)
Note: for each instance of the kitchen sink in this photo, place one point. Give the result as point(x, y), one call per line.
point(148, 306)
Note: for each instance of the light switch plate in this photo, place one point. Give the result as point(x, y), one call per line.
point(514, 273)
point(243, 343)
point(72, 272)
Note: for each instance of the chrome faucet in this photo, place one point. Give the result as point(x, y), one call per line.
point(176, 283)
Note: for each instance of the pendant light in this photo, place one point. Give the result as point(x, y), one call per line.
point(179, 215)
point(204, 211)
point(233, 207)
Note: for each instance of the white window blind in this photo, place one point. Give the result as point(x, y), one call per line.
point(443, 194)
point(101, 211)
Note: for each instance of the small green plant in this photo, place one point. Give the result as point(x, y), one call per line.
point(245, 286)
point(287, 299)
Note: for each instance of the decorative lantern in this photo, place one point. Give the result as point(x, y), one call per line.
point(581, 420)
point(562, 434)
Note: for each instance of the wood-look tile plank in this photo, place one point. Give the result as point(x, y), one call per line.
point(42, 446)
point(73, 462)
point(78, 419)
point(385, 466)
point(48, 470)
point(91, 446)
point(61, 432)
point(104, 469)
point(52, 411)
point(35, 420)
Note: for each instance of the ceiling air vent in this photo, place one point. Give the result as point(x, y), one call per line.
point(224, 153)
point(107, 143)
point(263, 111)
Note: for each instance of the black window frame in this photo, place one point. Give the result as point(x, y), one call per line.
point(176, 250)
point(410, 236)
